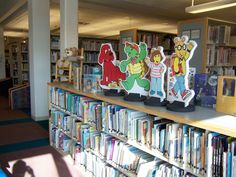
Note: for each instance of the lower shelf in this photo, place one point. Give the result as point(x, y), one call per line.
point(86, 172)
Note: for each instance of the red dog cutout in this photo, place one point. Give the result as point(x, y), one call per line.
point(111, 72)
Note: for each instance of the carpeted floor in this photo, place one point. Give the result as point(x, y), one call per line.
point(21, 132)
point(7, 114)
point(24, 147)
point(41, 162)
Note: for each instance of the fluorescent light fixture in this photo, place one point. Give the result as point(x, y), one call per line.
point(215, 5)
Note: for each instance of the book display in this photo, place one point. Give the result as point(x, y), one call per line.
point(216, 41)
point(109, 134)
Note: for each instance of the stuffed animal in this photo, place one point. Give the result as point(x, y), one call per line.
point(111, 72)
point(62, 63)
point(71, 52)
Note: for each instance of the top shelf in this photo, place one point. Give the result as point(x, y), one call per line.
point(204, 118)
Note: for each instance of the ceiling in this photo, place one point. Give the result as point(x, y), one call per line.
point(103, 18)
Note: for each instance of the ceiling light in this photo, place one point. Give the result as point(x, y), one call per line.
point(215, 5)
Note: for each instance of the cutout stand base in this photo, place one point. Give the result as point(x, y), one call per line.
point(179, 107)
point(154, 101)
point(134, 97)
point(113, 92)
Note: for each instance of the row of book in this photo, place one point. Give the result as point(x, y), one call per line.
point(59, 139)
point(55, 55)
point(222, 71)
point(94, 45)
point(25, 66)
point(96, 165)
point(218, 56)
point(25, 76)
point(202, 151)
point(130, 158)
point(55, 42)
point(102, 143)
point(25, 57)
point(91, 57)
point(154, 40)
point(219, 34)
point(87, 69)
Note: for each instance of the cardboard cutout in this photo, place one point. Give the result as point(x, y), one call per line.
point(111, 74)
point(178, 82)
point(135, 84)
point(157, 70)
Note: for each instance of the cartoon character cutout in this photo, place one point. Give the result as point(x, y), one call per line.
point(111, 75)
point(178, 82)
point(136, 67)
point(157, 72)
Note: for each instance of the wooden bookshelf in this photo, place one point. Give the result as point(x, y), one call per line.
point(203, 118)
point(24, 61)
point(216, 41)
point(54, 54)
point(151, 38)
point(92, 47)
point(17, 59)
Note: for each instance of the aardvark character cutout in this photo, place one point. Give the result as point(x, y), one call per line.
point(178, 82)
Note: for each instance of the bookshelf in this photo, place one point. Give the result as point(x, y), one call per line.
point(55, 54)
point(7, 64)
point(15, 62)
point(92, 47)
point(216, 39)
point(24, 58)
point(203, 120)
point(151, 38)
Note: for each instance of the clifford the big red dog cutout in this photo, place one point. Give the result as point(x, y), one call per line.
point(111, 74)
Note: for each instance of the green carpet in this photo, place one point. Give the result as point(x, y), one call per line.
point(16, 121)
point(24, 145)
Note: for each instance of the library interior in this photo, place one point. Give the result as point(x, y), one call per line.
point(121, 88)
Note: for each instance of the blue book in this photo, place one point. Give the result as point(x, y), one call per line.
point(229, 163)
point(162, 140)
point(2, 174)
point(205, 88)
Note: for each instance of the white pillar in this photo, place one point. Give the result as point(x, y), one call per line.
point(39, 57)
point(2, 55)
point(68, 24)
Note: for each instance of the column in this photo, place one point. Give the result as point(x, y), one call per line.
point(39, 57)
point(68, 24)
point(2, 55)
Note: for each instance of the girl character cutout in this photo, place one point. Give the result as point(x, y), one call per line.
point(158, 69)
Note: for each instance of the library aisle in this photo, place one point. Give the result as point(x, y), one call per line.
point(24, 147)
